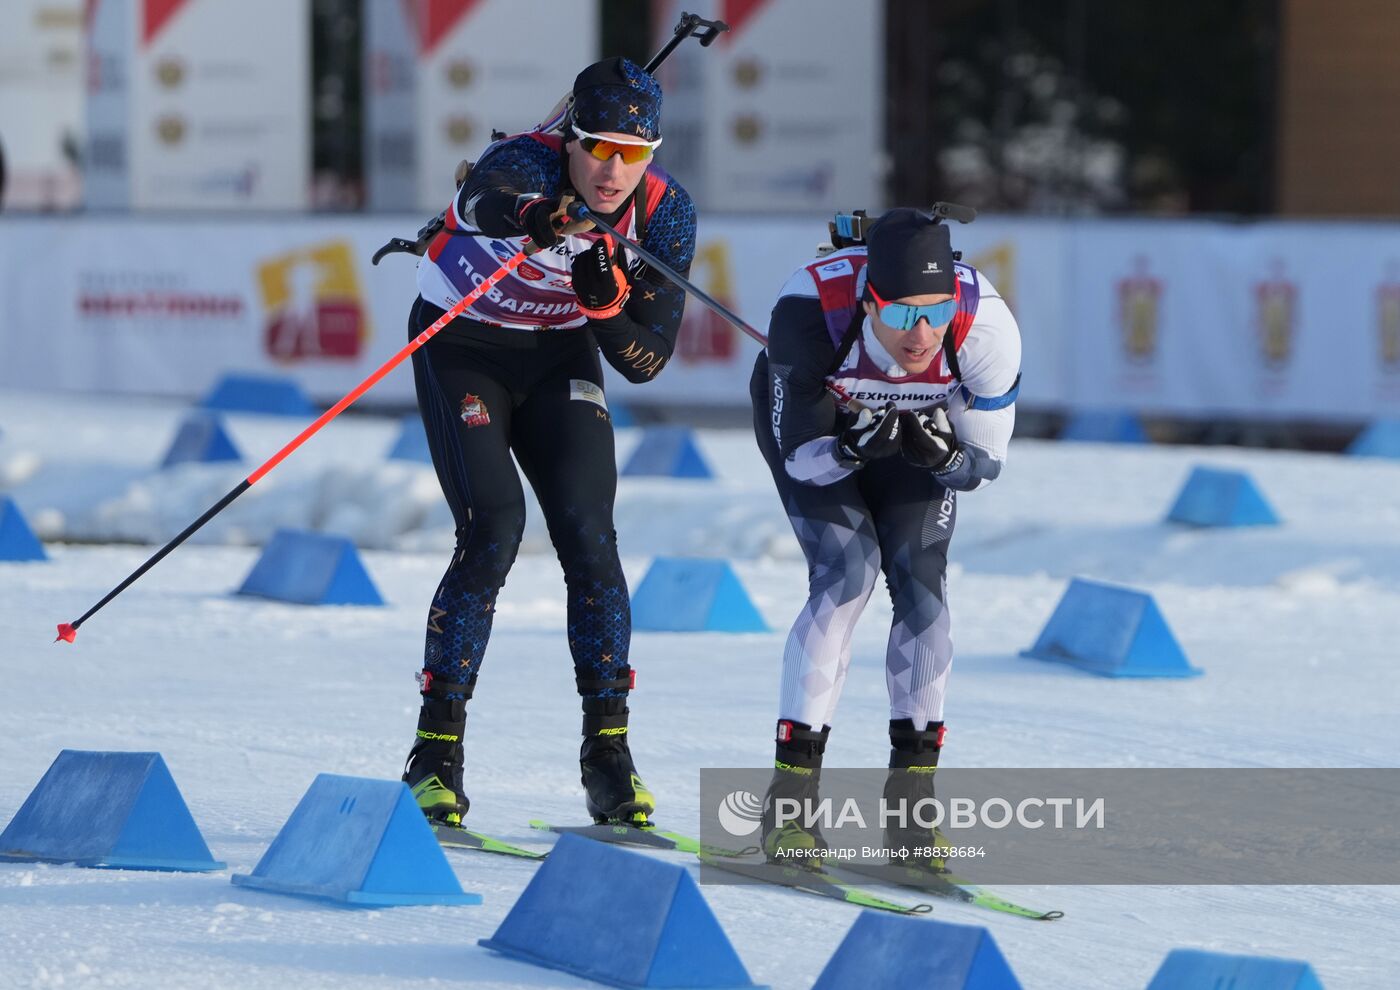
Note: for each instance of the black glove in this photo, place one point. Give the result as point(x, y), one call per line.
point(874, 433)
point(545, 220)
point(928, 441)
point(535, 216)
point(599, 282)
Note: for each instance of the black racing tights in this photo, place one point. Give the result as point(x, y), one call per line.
point(485, 393)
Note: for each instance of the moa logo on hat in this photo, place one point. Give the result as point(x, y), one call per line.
point(618, 96)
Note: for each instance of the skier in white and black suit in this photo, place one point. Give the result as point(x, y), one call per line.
point(931, 355)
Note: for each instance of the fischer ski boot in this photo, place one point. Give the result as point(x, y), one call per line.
point(433, 771)
point(913, 762)
point(797, 767)
point(614, 793)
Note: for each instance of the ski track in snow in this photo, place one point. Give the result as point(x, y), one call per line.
point(248, 700)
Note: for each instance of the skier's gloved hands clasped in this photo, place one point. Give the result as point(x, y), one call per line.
point(874, 433)
point(927, 440)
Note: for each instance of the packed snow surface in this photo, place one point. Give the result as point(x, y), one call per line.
point(248, 700)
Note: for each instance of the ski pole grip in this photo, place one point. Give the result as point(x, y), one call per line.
point(577, 210)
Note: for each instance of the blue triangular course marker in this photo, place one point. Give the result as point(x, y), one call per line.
point(693, 594)
point(621, 415)
point(1104, 426)
point(201, 438)
point(361, 842)
point(1110, 631)
point(1380, 439)
point(667, 452)
point(308, 568)
point(887, 952)
point(1190, 969)
point(1219, 497)
point(258, 394)
point(567, 919)
point(412, 442)
point(116, 810)
point(17, 540)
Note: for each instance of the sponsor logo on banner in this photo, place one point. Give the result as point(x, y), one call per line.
point(1139, 313)
point(151, 301)
point(170, 71)
point(459, 130)
point(705, 336)
point(747, 72)
point(999, 265)
point(460, 73)
point(1275, 312)
point(747, 128)
point(312, 304)
point(170, 129)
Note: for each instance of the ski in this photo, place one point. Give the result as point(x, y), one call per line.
point(646, 836)
point(819, 882)
point(941, 886)
point(451, 837)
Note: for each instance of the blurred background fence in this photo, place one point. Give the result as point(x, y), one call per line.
point(1192, 207)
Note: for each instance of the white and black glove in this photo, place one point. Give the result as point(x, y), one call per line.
point(874, 433)
point(928, 441)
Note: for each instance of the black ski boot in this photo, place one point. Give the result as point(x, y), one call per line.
point(797, 768)
point(614, 792)
point(434, 768)
point(913, 762)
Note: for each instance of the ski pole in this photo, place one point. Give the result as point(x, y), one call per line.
point(69, 630)
point(690, 25)
point(579, 211)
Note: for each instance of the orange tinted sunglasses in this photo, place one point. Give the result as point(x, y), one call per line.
point(603, 148)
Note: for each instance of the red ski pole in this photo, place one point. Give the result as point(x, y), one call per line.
point(69, 630)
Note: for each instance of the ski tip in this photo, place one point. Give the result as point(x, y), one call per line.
point(66, 632)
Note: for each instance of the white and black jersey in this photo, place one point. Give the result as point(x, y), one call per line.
point(806, 331)
point(888, 516)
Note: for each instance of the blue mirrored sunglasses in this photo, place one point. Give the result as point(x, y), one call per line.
point(899, 316)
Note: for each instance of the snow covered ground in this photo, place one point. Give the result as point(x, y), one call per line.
point(249, 700)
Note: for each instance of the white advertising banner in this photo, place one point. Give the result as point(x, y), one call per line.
point(41, 102)
point(200, 104)
point(166, 307)
point(443, 74)
point(783, 112)
point(1172, 318)
point(111, 59)
point(1268, 320)
point(391, 104)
